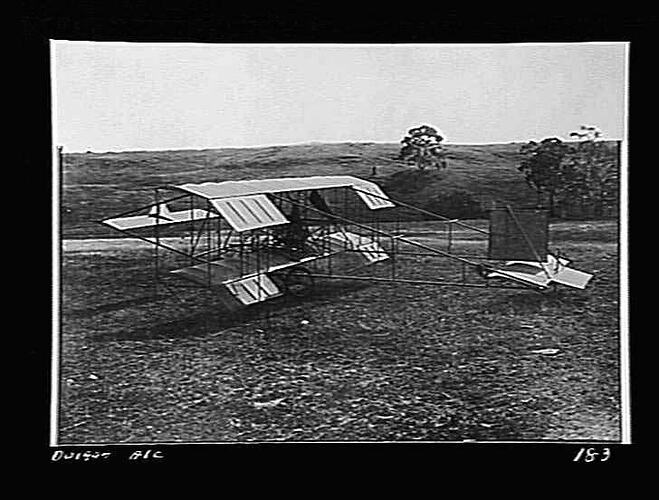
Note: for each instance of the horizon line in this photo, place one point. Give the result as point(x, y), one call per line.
point(311, 143)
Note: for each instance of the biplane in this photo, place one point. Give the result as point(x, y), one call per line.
point(255, 240)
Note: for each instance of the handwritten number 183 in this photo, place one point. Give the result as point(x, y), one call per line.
point(591, 455)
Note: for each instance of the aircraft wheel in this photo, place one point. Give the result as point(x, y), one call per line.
point(299, 282)
point(482, 271)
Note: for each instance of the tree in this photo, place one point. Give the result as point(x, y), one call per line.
point(580, 174)
point(596, 167)
point(587, 132)
point(423, 146)
point(542, 167)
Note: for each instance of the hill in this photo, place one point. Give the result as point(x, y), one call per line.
point(98, 185)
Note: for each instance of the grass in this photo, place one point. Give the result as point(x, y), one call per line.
point(385, 362)
point(355, 362)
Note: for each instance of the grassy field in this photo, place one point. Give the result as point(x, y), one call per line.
point(385, 362)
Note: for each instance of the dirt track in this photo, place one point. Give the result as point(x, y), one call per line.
point(115, 244)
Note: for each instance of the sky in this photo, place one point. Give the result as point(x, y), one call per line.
point(132, 96)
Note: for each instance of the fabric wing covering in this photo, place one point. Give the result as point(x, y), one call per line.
point(368, 248)
point(367, 191)
point(254, 289)
point(372, 196)
point(249, 212)
point(156, 217)
point(553, 270)
point(245, 205)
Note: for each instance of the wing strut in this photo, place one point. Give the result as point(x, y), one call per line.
point(472, 263)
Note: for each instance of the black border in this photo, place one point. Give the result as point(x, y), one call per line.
point(297, 22)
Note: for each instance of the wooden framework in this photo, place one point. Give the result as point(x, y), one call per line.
point(327, 233)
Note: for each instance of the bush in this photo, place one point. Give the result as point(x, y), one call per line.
point(407, 181)
point(457, 204)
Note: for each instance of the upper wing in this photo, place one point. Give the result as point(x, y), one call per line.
point(158, 218)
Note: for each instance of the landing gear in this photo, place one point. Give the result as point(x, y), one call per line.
point(482, 271)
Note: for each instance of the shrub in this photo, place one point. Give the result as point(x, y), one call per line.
point(458, 204)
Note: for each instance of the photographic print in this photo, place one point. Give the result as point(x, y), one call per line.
point(310, 243)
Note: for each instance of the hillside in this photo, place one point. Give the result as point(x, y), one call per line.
point(98, 185)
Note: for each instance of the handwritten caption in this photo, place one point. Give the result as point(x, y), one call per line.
point(94, 455)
